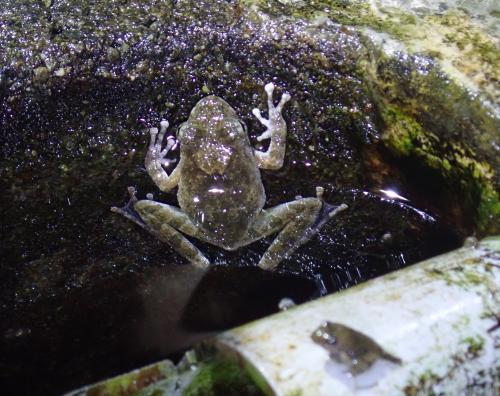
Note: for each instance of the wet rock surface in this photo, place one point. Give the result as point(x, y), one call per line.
point(80, 82)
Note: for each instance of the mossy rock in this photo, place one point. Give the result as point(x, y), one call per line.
point(221, 378)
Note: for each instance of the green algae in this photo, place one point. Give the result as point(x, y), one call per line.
point(427, 116)
point(482, 382)
point(423, 385)
point(475, 345)
point(465, 51)
point(467, 37)
point(488, 209)
point(213, 376)
point(221, 378)
point(405, 137)
point(430, 119)
point(132, 383)
point(345, 12)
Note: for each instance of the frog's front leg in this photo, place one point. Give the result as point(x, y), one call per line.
point(276, 130)
point(296, 221)
point(155, 159)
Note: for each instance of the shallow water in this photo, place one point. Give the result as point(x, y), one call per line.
point(88, 295)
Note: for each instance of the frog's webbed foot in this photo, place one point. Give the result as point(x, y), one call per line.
point(275, 116)
point(327, 211)
point(128, 210)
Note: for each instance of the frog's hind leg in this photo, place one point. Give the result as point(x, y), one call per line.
point(296, 221)
point(166, 223)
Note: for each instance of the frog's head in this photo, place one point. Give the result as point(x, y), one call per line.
point(325, 335)
point(212, 134)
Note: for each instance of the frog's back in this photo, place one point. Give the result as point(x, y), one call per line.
point(223, 205)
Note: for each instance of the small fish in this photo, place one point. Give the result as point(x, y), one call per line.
point(350, 347)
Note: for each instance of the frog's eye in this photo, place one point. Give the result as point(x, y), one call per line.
point(241, 127)
point(184, 133)
point(235, 129)
point(180, 130)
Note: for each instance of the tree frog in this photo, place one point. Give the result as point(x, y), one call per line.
point(220, 192)
point(350, 347)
